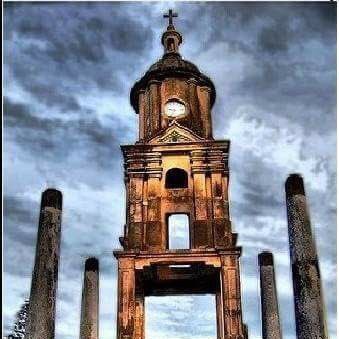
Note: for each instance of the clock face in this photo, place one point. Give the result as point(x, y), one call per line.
point(175, 109)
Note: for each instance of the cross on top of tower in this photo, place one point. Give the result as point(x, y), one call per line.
point(170, 17)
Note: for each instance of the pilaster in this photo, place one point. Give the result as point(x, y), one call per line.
point(155, 105)
point(142, 115)
point(205, 104)
point(230, 280)
point(126, 298)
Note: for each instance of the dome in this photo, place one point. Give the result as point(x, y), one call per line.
point(170, 65)
point(171, 61)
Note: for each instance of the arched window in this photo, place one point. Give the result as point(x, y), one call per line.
point(176, 178)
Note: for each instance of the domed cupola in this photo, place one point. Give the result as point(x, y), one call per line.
point(173, 89)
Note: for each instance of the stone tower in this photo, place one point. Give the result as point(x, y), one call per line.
point(176, 167)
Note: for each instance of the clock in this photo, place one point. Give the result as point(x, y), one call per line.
point(175, 108)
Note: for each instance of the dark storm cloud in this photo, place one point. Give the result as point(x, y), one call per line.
point(293, 66)
point(20, 218)
point(315, 20)
point(81, 31)
point(274, 39)
point(51, 97)
point(72, 266)
point(260, 195)
point(264, 195)
point(18, 115)
point(295, 24)
point(275, 78)
point(69, 46)
point(15, 207)
point(58, 139)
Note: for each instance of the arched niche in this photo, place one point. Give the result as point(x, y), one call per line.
point(176, 178)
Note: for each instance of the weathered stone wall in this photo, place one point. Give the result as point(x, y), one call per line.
point(204, 200)
point(152, 102)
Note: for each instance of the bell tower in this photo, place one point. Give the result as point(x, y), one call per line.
point(176, 167)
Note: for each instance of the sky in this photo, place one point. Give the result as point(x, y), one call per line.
point(68, 70)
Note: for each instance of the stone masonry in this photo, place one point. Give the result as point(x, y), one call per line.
point(41, 318)
point(89, 326)
point(308, 301)
point(176, 167)
point(269, 300)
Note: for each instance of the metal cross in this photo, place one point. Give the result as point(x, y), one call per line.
point(170, 17)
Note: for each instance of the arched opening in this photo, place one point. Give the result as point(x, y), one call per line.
point(176, 178)
point(170, 45)
point(181, 316)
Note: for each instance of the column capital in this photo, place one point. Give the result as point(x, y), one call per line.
point(126, 263)
point(265, 259)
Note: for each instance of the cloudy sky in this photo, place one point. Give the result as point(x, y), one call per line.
point(68, 71)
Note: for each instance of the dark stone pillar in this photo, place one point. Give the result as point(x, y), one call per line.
point(89, 326)
point(269, 301)
point(308, 302)
point(41, 314)
point(155, 106)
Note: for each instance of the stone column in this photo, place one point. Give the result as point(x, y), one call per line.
point(196, 124)
point(89, 325)
point(202, 225)
point(220, 317)
point(231, 298)
point(308, 302)
point(139, 324)
point(269, 300)
point(41, 314)
point(135, 224)
point(126, 298)
point(155, 232)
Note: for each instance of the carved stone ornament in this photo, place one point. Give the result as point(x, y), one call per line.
point(175, 136)
point(176, 133)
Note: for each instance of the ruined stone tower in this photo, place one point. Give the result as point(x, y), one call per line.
point(176, 167)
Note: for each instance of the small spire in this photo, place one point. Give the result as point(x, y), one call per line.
point(170, 17)
point(171, 39)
